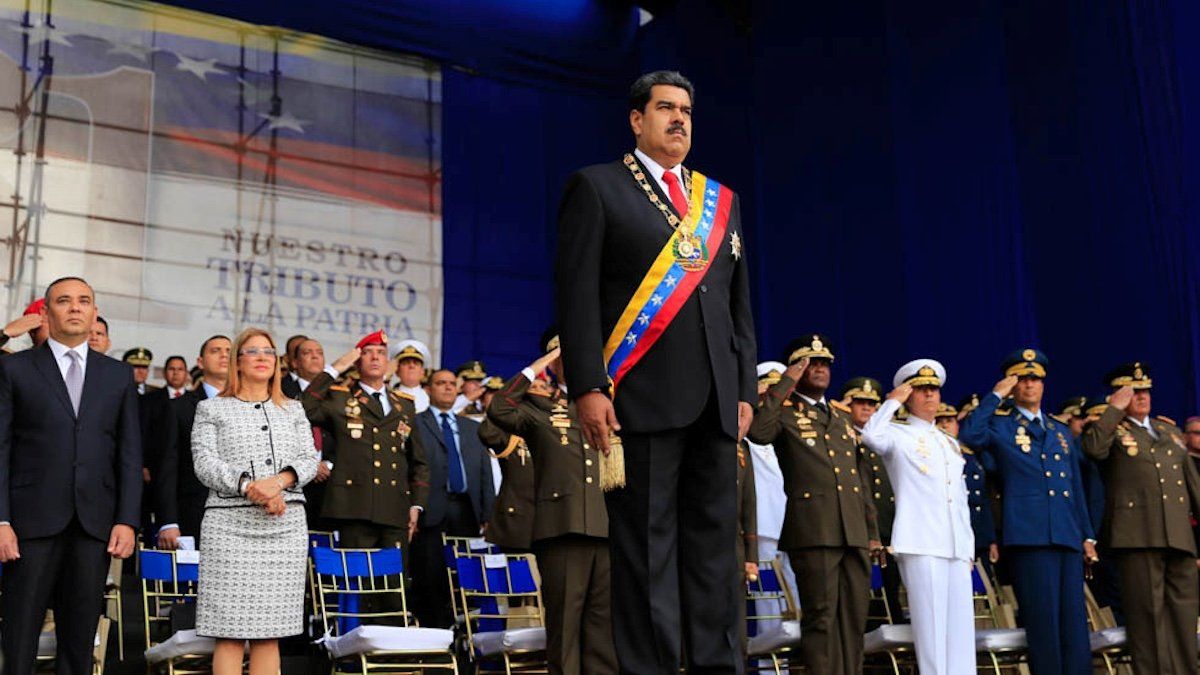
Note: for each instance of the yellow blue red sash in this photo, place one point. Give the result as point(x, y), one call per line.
point(667, 285)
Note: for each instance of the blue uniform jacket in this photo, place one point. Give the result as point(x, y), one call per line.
point(982, 523)
point(1044, 501)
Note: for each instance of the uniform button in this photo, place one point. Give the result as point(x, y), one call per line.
point(1047, 474)
point(512, 509)
point(1066, 493)
point(976, 476)
point(826, 436)
point(554, 495)
point(832, 453)
point(376, 446)
point(807, 495)
point(349, 481)
point(977, 492)
point(377, 481)
point(1043, 456)
point(837, 469)
point(1168, 453)
point(1157, 465)
point(264, 427)
point(1181, 500)
point(588, 480)
point(587, 462)
point(1179, 482)
point(1164, 498)
point(374, 430)
point(393, 483)
point(703, 288)
point(378, 464)
point(978, 508)
point(878, 482)
point(849, 454)
point(1131, 505)
point(395, 466)
point(856, 488)
point(1162, 480)
point(1062, 474)
point(1052, 493)
point(853, 472)
point(877, 495)
point(393, 434)
point(394, 449)
point(586, 446)
point(1057, 457)
point(839, 488)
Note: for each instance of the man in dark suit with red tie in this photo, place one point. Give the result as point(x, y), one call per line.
point(653, 297)
point(70, 482)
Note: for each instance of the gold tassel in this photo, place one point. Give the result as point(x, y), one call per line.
point(612, 465)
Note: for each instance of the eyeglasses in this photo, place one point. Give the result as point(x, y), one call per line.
point(255, 351)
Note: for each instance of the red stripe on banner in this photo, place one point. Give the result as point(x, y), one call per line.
point(683, 290)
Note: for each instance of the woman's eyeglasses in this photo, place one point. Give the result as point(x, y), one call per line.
point(255, 351)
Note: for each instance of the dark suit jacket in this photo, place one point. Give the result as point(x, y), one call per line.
point(54, 465)
point(609, 233)
point(152, 408)
point(179, 494)
point(290, 387)
point(476, 465)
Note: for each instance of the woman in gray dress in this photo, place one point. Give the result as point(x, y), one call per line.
point(253, 449)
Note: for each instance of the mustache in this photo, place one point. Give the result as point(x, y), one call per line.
point(677, 126)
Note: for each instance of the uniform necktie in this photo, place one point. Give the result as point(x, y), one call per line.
point(820, 405)
point(675, 192)
point(378, 396)
point(455, 467)
point(74, 379)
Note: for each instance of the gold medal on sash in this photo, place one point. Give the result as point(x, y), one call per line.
point(691, 252)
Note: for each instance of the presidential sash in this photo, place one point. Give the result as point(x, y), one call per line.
point(676, 272)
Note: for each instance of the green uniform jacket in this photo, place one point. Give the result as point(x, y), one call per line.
point(825, 471)
point(511, 525)
point(380, 470)
point(566, 473)
point(1152, 486)
point(747, 507)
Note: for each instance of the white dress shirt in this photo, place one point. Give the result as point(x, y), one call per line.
point(210, 391)
point(925, 466)
point(64, 362)
point(656, 172)
point(1145, 424)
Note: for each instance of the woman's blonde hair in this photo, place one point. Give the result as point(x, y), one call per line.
point(274, 385)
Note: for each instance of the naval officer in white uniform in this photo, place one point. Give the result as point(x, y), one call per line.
point(931, 535)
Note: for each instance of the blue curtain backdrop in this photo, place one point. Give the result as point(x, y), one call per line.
point(955, 179)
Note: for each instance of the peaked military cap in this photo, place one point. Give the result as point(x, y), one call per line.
point(813, 346)
point(1136, 375)
point(862, 389)
point(138, 356)
point(1027, 362)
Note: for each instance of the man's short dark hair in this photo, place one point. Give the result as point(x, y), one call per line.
point(639, 93)
point(204, 345)
point(176, 357)
point(59, 280)
point(296, 340)
point(101, 320)
point(442, 370)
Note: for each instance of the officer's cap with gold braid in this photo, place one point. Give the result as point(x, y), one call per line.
point(968, 404)
point(472, 370)
point(1076, 406)
point(376, 338)
point(945, 410)
point(1136, 375)
point(862, 389)
point(549, 341)
point(770, 372)
point(920, 373)
point(494, 383)
point(410, 349)
point(1027, 362)
point(1096, 406)
point(813, 346)
point(138, 356)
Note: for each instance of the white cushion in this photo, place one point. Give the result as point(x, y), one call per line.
point(183, 643)
point(783, 634)
point(368, 639)
point(48, 644)
point(888, 637)
point(508, 641)
point(1107, 638)
point(999, 639)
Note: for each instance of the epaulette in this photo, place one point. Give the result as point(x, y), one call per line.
point(966, 450)
point(1003, 411)
point(899, 420)
point(543, 394)
point(339, 387)
point(1164, 418)
point(514, 442)
point(404, 394)
point(840, 406)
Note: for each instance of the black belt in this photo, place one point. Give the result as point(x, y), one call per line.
point(458, 496)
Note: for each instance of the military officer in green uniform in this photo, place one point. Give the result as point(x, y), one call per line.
point(860, 399)
point(830, 521)
point(380, 481)
point(511, 524)
point(471, 376)
point(570, 520)
point(1152, 490)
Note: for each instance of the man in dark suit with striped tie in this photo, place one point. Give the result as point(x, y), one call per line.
point(70, 482)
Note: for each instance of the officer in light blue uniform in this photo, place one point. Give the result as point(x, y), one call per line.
point(1047, 530)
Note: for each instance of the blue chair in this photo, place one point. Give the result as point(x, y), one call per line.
point(347, 577)
point(495, 585)
point(168, 584)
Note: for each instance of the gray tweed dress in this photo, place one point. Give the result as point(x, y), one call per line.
point(252, 565)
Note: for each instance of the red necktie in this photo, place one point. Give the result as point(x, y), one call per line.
point(675, 192)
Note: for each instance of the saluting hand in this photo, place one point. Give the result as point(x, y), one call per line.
point(8, 544)
point(1121, 398)
point(598, 417)
point(346, 360)
point(1004, 387)
point(22, 325)
point(538, 367)
point(901, 393)
point(797, 369)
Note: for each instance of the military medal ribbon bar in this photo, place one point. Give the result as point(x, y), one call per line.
point(677, 271)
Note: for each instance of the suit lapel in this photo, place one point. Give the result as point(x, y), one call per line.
point(428, 418)
point(45, 363)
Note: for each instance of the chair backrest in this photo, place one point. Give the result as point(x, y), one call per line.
point(879, 608)
point(768, 598)
point(324, 539)
point(492, 584)
point(345, 576)
point(983, 597)
point(452, 549)
point(166, 580)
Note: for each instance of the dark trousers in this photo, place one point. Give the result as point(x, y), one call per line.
point(65, 572)
point(671, 530)
point(1049, 586)
point(1161, 605)
point(1106, 584)
point(577, 590)
point(833, 585)
point(430, 597)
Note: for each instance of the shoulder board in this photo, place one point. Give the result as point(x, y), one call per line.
point(403, 394)
point(1050, 424)
point(1003, 411)
point(339, 387)
point(898, 420)
point(1164, 418)
point(966, 450)
point(840, 406)
point(543, 394)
